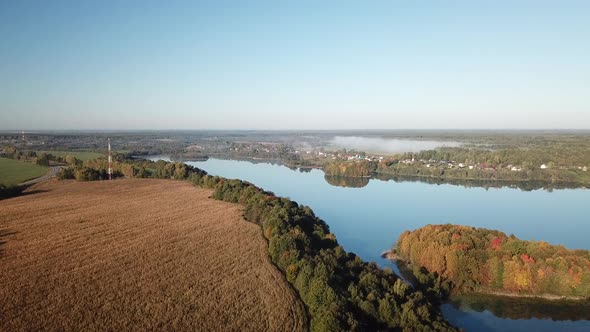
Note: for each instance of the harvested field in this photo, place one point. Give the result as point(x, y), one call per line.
point(137, 255)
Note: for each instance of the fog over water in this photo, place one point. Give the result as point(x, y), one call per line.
point(387, 145)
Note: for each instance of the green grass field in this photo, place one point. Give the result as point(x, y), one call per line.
point(15, 172)
point(81, 155)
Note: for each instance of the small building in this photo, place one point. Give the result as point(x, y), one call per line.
point(543, 166)
point(516, 169)
point(461, 165)
point(470, 166)
point(585, 169)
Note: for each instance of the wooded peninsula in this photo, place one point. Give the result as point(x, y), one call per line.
point(341, 292)
point(467, 259)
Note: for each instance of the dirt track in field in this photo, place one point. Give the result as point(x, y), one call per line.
point(137, 255)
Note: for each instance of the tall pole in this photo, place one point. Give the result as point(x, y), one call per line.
point(110, 171)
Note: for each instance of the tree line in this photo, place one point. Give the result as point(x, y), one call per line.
point(482, 260)
point(570, 154)
point(564, 163)
point(360, 168)
point(42, 158)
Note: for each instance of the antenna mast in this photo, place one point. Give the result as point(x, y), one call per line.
point(110, 171)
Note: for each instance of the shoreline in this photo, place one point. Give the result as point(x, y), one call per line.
point(393, 256)
point(375, 174)
point(547, 297)
point(580, 185)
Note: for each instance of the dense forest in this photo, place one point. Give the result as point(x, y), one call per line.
point(340, 290)
point(481, 260)
point(360, 168)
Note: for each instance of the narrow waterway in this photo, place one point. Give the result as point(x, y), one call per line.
point(368, 220)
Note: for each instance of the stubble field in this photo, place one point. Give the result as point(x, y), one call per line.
point(137, 255)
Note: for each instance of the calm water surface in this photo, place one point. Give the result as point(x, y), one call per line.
point(369, 220)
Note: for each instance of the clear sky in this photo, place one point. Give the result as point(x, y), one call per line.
point(303, 65)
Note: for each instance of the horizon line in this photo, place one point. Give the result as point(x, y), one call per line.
point(288, 130)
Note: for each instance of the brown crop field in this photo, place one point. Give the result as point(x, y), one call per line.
point(137, 255)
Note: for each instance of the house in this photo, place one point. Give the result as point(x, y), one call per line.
point(543, 166)
point(461, 165)
point(585, 169)
point(470, 166)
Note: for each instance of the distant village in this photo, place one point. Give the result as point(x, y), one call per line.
point(313, 153)
point(358, 156)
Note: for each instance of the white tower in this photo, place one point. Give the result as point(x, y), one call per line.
point(110, 171)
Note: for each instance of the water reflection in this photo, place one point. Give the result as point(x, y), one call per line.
point(522, 185)
point(347, 182)
point(351, 182)
point(510, 308)
point(524, 308)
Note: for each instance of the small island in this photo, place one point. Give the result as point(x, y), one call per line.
point(478, 260)
point(353, 169)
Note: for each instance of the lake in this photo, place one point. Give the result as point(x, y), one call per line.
point(368, 218)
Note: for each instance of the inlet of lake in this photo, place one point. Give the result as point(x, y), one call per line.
point(368, 219)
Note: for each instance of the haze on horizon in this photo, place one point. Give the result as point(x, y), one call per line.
point(304, 65)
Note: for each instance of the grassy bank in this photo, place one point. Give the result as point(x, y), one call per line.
point(13, 172)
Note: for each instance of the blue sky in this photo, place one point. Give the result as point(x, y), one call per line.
point(297, 65)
